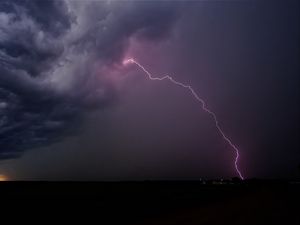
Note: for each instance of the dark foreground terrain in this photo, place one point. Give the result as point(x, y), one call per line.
point(141, 203)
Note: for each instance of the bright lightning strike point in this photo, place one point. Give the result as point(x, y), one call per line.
point(128, 61)
point(196, 96)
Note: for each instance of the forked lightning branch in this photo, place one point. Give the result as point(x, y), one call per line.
point(202, 102)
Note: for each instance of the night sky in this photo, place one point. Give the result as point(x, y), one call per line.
point(70, 110)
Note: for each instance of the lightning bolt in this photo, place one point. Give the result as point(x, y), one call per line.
point(196, 96)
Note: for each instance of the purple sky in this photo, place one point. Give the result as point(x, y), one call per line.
point(69, 109)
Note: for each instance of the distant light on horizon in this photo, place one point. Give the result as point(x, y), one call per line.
point(3, 178)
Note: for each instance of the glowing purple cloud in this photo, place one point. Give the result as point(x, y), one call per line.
point(171, 79)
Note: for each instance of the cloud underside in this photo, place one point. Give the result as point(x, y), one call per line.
point(51, 59)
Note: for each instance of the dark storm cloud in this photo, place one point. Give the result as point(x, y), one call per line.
point(48, 54)
point(42, 12)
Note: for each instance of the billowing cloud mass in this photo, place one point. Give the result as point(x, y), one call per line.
point(53, 56)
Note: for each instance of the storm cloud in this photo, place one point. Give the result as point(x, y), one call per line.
point(53, 56)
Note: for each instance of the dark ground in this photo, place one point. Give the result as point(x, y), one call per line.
point(141, 203)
